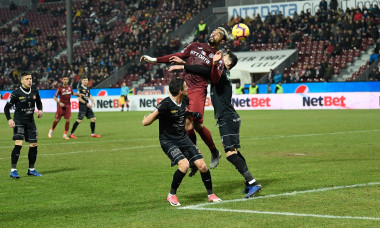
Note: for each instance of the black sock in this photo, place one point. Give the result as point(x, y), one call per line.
point(241, 166)
point(92, 124)
point(177, 179)
point(32, 156)
point(240, 155)
point(206, 178)
point(75, 125)
point(15, 155)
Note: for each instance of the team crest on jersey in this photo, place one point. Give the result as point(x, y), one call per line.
point(21, 98)
point(203, 53)
point(211, 55)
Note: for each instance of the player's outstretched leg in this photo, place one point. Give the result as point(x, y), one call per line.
point(50, 134)
point(75, 125)
point(237, 159)
point(207, 138)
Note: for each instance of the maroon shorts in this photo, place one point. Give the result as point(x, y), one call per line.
point(65, 112)
point(197, 101)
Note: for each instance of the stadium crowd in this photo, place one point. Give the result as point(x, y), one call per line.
point(108, 34)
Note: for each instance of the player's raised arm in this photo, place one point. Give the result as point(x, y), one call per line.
point(150, 118)
point(167, 58)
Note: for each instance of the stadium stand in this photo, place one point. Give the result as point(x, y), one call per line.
point(110, 34)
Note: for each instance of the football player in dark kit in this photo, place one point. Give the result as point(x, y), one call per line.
point(25, 99)
point(172, 113)
point(85, 109)
point(197, 54)
point(228, 119)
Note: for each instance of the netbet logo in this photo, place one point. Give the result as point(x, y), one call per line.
point(324, 101)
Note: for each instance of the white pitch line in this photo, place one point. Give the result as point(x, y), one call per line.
point(281, 194)
point(202, 206)
point(286, 213)
point(92, 151)
point(241, 137)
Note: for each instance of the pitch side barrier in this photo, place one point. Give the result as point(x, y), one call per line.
point(295, 101)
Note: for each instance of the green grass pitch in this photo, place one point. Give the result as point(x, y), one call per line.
point(122, 179)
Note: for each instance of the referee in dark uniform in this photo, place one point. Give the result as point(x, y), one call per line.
point(24, 99)
point(228, 119)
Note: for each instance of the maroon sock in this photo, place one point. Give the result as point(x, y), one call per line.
point(67, 126)
point(54, 124)
point(206, 137)
point(192, 135)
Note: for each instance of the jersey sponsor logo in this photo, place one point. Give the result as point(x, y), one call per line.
point(200, 48)
point(173, 111)
point(21, 98)
point(202, 57)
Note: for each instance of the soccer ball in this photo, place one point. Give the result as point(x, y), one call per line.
point(240, 31)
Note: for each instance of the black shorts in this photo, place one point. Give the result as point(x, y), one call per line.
point(25, 130)
point(178, 150)
point(229, 128)
point(85, 112)
point(125, 97)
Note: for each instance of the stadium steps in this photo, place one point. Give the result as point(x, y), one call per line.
point(355, 66)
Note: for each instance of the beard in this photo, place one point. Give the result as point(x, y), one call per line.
point(211, 41)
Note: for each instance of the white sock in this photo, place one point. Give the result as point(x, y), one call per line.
point(13, 170)
point(31, 169)
point(252, 181)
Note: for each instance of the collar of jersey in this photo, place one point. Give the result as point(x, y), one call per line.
point(179, 105)
point(24, 90)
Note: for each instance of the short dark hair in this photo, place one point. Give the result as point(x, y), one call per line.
point(24, 73)
point(175, 85)
point(84, 77)
point(65, 76)
point(232, 57)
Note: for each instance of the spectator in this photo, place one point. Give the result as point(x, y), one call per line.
point(269, 89)
point(278, 77)
point(373, 57)
point(333, 4)
point(374, 74)
point(323, 5)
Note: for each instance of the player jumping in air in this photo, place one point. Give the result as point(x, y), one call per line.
point(172, 113)
point(63, 106)
point(227, 117)
point(197, 54)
